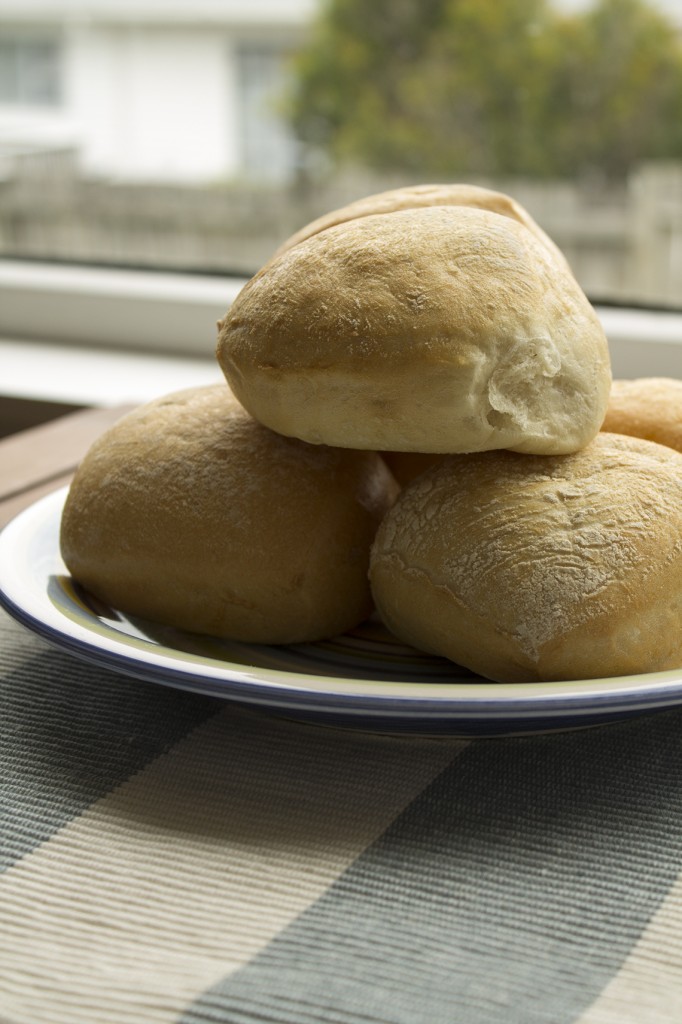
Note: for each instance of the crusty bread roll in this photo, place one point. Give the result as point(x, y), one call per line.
point(190, 514)
point(438, 329)
point(540, 568)
point(414, 196)
point(650, 407)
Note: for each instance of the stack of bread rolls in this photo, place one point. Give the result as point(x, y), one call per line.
point(440, 327)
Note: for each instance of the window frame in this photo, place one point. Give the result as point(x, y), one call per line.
point(134, 314)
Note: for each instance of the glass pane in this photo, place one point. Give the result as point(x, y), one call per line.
point(38, 72)
point(29, 71)
point(9, 88)
point(269, 148)
point(196, 145)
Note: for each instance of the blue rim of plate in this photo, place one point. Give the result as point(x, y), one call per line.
point(366, 679)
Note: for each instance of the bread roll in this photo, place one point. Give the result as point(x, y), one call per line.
point(189, 513)
point(650, 407)
point(439, 329)
point(412, 197)
point(540, 568)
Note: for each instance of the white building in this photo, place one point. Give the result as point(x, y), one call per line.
point(155, 90)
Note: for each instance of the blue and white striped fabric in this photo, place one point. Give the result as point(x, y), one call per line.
point(168, 857)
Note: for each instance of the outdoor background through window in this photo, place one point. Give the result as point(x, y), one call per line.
point(197, 136)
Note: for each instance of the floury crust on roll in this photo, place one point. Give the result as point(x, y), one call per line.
point(438, 329)
point(190, 514)
point(540, 568)
point(415, 196)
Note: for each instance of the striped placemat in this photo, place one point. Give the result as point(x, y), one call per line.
point(167, 857)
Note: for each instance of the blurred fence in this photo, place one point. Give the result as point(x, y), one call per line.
point(624, 243)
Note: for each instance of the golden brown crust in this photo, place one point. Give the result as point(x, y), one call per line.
point(189, 513)
point(415, 196)
point(649, 407)
point(438, 329)
point(540, 568)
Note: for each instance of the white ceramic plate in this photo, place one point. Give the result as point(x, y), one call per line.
point(366, 678)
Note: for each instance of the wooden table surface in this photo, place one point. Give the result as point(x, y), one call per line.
point(41, 459)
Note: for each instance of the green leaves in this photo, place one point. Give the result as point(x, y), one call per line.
point(464, 87)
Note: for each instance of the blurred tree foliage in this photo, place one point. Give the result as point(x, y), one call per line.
point(485, 87)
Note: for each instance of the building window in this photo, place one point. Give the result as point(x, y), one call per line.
point(30, 71)
point(268, 146)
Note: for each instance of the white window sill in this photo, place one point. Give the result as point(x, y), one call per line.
point(103, 336)
point(53, 372)
point(134, 309)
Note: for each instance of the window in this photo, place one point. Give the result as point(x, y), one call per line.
point(171, 137)
point(30, 71)
point(268, 146)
